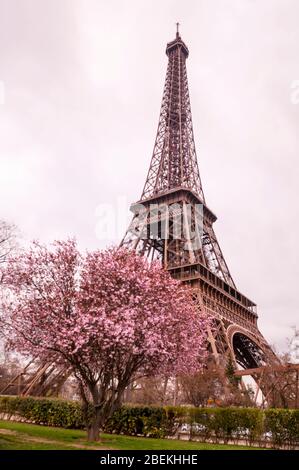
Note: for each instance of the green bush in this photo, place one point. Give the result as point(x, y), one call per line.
point(143, 420)
point(51, 412)
point(281, 427)
point(150, 421)
point(226, 423)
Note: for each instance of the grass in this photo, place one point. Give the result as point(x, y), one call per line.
point(18, 443)
point(20, 436)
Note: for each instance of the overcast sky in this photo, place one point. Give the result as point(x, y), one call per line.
point(80, 91)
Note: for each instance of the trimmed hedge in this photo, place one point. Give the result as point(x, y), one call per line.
point(278, 427)
point(50, 412)
point(226, 423)
point(283, 425)
point(149, 421)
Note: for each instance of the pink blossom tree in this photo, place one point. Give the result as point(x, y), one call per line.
point(108, 315)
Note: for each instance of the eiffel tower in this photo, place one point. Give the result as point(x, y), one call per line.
point(173, 223)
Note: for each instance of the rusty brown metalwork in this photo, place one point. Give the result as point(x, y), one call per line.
point(173, 184)
point(38, 379)
point(279, 384)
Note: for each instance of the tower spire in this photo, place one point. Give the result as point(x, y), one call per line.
point(174, 160)
point(177, 30)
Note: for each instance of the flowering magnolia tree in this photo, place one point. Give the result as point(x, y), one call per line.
point(109, 316)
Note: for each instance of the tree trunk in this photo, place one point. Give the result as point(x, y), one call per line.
point(93, 432)
point(101, 412)
point(93, 429)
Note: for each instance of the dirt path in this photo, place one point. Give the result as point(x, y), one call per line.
point(26, 438)
point(8, 432)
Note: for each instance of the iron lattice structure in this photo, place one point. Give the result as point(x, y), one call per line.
point(173, 223)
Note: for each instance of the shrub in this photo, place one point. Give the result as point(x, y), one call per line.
point(147, 421)
point(51, 412)
point(226, 423)
point(217, 424)
point(283, 426)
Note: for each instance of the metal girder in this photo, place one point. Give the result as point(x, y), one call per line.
point(174, 179)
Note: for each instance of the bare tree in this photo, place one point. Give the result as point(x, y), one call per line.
point(211, 386)
point(151, 391)
point(8, 240)
point(283, 384)
point(9, 369)
point(207, 385)
point(293, 346)
point(8, 244)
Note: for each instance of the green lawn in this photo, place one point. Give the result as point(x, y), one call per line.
point(20, 436)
